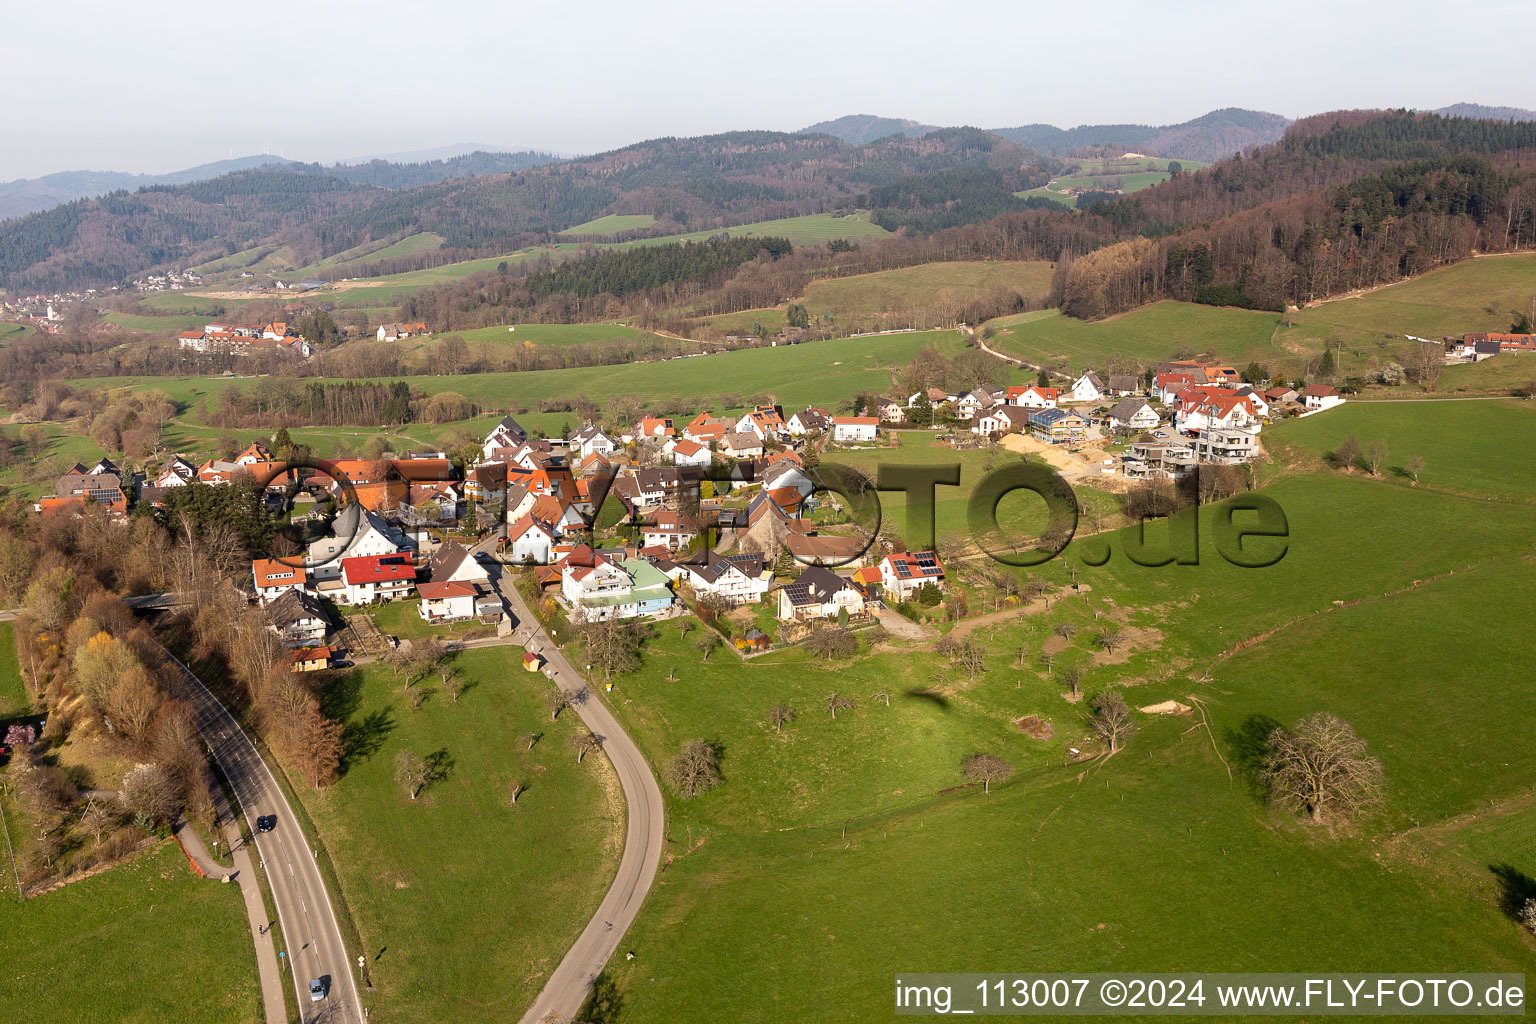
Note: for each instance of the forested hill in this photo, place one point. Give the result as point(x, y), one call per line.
point(687, 184)
point(1344, 201)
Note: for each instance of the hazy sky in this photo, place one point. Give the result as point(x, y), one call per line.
point(157, 87)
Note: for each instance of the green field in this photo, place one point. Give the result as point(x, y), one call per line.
point(1455, 440)
point(612, 224)
point(925, 287)
point(841, 851)
point(12, 331)
point(1145, 336)
point(1110, 175)
point(812, 229)
point(124, 946)
point(465, 903)
point(372, 252)
point(137, 322)
point(815, 372)
point(13, 689)
point(495, 342)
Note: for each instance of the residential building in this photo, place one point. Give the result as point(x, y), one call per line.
point(1003, 419)
point(1087, 388)
point(818, 593)
point(615, 589)
point(1226, 446)
point(1057, 426)
point(903, 574)
point(274, 579)
point(808, 419)
point(530, 541)
point(742, 445)
point(1033, 396)
point(369, 578)
point(1132, 415)
point(855, 429)
point(764, 421)
point(890, 411)
point(1317, 397)
point(690, 453)
point(590, 439)
point(298, 618)
point(669, 529)
point(356, 532)
point(1123, 384)
point(738, 578)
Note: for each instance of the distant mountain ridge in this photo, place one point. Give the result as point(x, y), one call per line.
point(31, 195)
point(1207, 138)
point(1483, 112)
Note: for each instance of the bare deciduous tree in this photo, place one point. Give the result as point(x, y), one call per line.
point(706, 643)
point(1110, 639)
point(1347, 453)
point(1072, 675)
point(781, 715)
point(1066, 629)
point(1375, 455)
point(411, 772)
point(1322, 769)
point(694, 769)
point(986, 769)
point(530, 738)
point(583, 743)
point(1413, 467)
point(1112, 720)
point(836, 702)
point(882, 695)
point(558, 702)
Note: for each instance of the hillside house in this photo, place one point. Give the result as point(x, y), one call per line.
point(818, 593)
point(1033, 396)
point(529, 542)
point(742, 445)
point(1087, 388)
point(1123, 384)
point(356, 532)
point(738, 578)
point(890, 411)
point(1132, 415)
point(903, 574)
point(369, 578)
point(298, 618)
point(590, 439)
point(1004, 419)
point(273, 579)
point(1317, 397)
point(855, 429)
point(689, 453)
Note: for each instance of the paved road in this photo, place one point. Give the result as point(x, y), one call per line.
point(568, 986)
point(313, 937)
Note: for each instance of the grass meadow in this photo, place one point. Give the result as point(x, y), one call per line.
point(1146, 335)
point(464, 902)
point(122, 946)
point(843, 851)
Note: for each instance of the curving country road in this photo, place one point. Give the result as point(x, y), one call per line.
point(569, 985)
point(310, 929)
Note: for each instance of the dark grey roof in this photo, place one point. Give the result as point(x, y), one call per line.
point(295, 604)
point(1126, 408)
point(1124, 382)
point(815, 585)
point(446, 561)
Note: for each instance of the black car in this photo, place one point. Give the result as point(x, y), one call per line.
point(266, 823)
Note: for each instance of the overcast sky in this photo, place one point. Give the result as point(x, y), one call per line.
point(158, 87)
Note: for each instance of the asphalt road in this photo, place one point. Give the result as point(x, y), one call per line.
point(313, 938)
point(569, 985)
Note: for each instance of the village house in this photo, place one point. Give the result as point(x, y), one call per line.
point(1123, 384)
point(1317, 397)
point(1132, 415)
point(1033, 396)
point(808, 419)
point(273, 579)
point(1087, 388)
point(890, 411)
point(1226, 446)
point(669, 529)
point(705, 429)
point(298, 618)
point(590, 439)
point(818, 593)
point(855, 429)
point(824, 548)
point(177, 472)
point(369, 578)
point(458, 588)
point(356, 532)
point(505, 434)
point(688, 453)
point(654, 426)
point(978, 400)
point(529, 542)
point(742, 445)
point(310, 659)
point(1204, 408)
point(394, 332)
point(1004, 419)
point(614, 589)
point(764, 421)
point(738, 578)
point(1057, 426)
point(936, 397)
point(903, 574)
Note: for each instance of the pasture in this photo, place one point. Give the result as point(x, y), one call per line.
point(840, 837)
point(464, 901)
point(612, 224)
point(924, 295)
point(122, 946)
point(800, 375)
point(1144, 336)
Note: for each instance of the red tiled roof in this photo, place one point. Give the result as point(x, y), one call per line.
point(268, 570)
point(377, 569)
